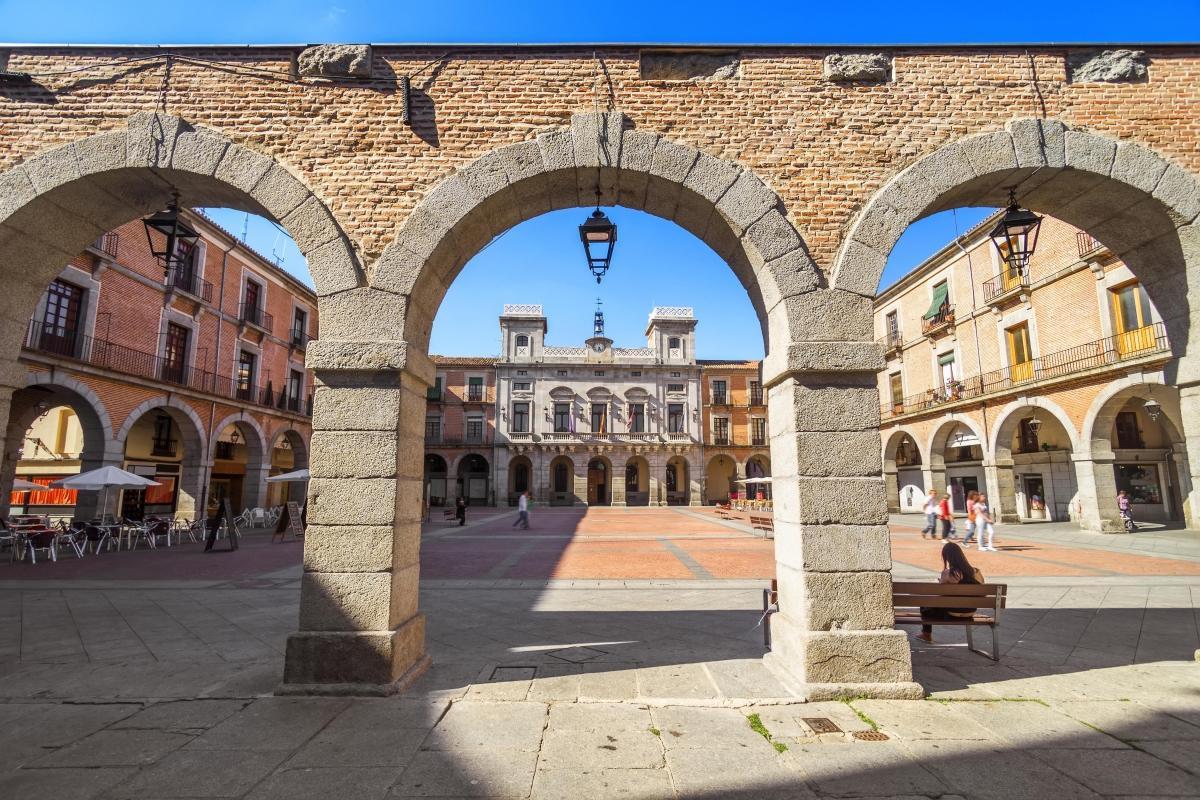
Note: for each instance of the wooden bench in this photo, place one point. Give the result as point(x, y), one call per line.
point(986, 598)
point(764, 524)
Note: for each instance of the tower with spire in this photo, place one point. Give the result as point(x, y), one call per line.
point(599, 347)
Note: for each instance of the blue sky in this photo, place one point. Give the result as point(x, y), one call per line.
point(656, 262)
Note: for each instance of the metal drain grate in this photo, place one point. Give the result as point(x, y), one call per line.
point(870, 736)
point(821, 725)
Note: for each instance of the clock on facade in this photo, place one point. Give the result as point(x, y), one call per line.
point(598, 347)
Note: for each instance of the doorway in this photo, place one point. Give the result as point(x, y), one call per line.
point(597, 483)
point(1035, 496)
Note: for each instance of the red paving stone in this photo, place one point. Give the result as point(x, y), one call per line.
point(595, 544)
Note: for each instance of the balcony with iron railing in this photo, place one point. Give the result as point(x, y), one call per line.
point(758, 441)
point(720, 398)
point(756, 397)
point(475, 394)
point(942, 321)
point(1008, 285)
point(1088, 245)
point(187, 281)
point(254, 315)
point(1120, 349)
point(720, 440)
point(107, 243)
point(891, 342)
point(299, 340)
point(54, 341)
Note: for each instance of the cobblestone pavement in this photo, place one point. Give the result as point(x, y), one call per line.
point(636, 688)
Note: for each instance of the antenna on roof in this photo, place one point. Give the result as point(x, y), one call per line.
point(245, 227)
point(598, 326)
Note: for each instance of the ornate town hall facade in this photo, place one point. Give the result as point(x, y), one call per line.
point(392, 166)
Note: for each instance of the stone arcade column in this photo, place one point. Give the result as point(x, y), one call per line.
point(834, 634)
point(1097, 493)
point(360, 630)
point(1189, 405)
point(1000, 483)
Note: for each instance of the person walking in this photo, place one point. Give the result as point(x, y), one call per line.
point(460, 511)
point(931, 515)
point(523, 511)
point(955, 569)
point(946, 515)
point(1125, 507)
point(984, 524)
point(971, 521)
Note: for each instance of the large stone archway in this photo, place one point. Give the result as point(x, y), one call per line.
point(819, 370)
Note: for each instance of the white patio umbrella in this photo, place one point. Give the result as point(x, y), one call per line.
point(295, 475)
point(754, 480)
point(22, 485)
point(104, 479)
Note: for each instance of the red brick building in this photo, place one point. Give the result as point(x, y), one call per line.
point(193, 376)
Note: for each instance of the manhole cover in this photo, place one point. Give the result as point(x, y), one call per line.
point(513, 673)
point(577, 655)
point(821, 725)
point(870, 736)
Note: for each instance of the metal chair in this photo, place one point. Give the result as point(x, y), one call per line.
point(39, 539)
point(159, 528)
point(96, 537)
point(69, 535)
point(139, 531)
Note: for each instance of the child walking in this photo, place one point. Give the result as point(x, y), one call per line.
point(984, 524)
point(972, 496)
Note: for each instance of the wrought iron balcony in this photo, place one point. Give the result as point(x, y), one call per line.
point(943, 321)
point(107, 243)
point(185, 280)
point(720, 399)
point(475, 394)
point(721, 441)
point(758, 441)
point(1010, 283)
point(1109, 351)
point(254, 315)
point(1088, 245)
point(891, 342)
point(756, 397)
point(299, 340)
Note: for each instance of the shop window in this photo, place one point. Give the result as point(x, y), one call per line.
point(1140, 482)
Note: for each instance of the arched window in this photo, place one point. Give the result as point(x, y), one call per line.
point(561, 478)
point(674, 347)
point(521, 478)
point(522, 341)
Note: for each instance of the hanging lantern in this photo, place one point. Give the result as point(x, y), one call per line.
point(1035, 425)
point(1153, 409)
point(599, 236)
point(1015, 235)
point(234, 437)
point(180, 238)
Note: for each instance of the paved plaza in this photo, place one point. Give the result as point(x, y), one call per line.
point(613, 653)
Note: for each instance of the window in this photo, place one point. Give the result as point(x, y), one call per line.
point(637, 373)
point(162, 444)
point(675, 387)
point(1020, 359)
point(245, 375)
point(60, 324)
point(631, 478)
point(720, 393)
point(758, 432)
point(520, 478)
point(522, 341)
point(1128, 435)
point(562, 417)
point(1028, 438)
point(672, 478)
point(896, 388)
point(562, 478)
point(435, 392)
point(522, 386)
point(674, 347)
point(252, 303)
point(598, 373)
point(720, 431)
point(174, 368)
point(475, 429)
point(433, 429)
point(1131, 319)
point(520, 418)
point(1140, 481)
point(675, 417)
point(946, 371)
point(675, 374)
point(224, 451)
point(295, 387)
point(300, 327)
point(600, 418)
point(562, 373)
point(637, 417)
point(756, 395)
point(893, 326)
point(521, 373)
point(475, 389)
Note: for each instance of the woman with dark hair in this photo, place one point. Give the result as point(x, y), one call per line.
point(955, 569)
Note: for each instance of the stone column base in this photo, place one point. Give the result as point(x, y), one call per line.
point(371, 663)
point(829, 665)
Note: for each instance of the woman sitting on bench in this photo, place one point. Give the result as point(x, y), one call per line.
point(956, 569)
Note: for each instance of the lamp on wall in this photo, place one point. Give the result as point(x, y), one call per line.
point(1015, 235)
point(180, 237)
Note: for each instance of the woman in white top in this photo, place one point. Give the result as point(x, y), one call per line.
point(983, 523)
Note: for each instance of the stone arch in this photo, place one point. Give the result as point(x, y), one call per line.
point(1101, 414)
point(719, 474)
point(56, 202)
point(1009, 416)
point(892, 445)
point(897, 493)
point(258, 457)
point(725, 205)
point(193, 474)
point(643, 492)
point(1142, 206)
point(297, 442)
point(56, 389)
point(600, 480)
point(936, 446)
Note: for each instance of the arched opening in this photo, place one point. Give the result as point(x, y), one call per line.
point(289, 453)
point(677, 482)
point(562, 482)
point(435, 480)
point(474, 480)
point(163, 443)
point(956, 461)
point(758, 468)
point(719, 479)
point(55, 430)
point(902, 473)
point(599, 482)
point(239, 468)
point(520, 478)
point(1035, 471)
point(637, 481)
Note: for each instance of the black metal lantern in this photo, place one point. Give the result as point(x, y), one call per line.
point(599, 236)
point(180, 237)
point(1035, 425)
point(1153, 409)
point(1015, 235)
